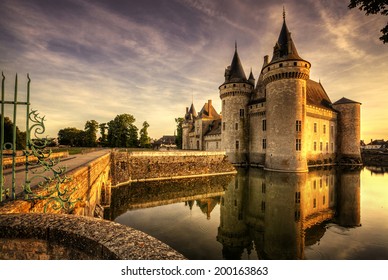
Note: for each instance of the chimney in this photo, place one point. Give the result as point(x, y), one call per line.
point(265, 59)
point(209, 105)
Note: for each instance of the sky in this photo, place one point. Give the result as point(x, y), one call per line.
point(95, 59)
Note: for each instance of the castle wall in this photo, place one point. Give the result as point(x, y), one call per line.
point(349, 131)
point(235, 125)
point(212, 142)
point(285, 106)
point(257, 133)
point(320, 129)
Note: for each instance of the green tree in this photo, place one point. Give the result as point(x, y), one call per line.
point(8, 132)
point(179, 132)
point(91, 128)
point(122, 132)
point(71, 136)
point(145, 141)
point(373, 7)
point(104, 137)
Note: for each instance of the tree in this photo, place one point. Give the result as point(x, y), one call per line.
point(373, 7)
point(8, 132)
point(71, 136)
point(179, 132)
point(145, 141)
point(103, 138)
point(91, 128)
point(122, 132)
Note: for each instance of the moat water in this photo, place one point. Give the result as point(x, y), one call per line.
point(326, 214)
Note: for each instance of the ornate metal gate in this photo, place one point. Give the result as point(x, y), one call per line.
point(56, 194)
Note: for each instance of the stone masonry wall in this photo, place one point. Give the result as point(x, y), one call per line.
point(165, 165)
point(89, 181)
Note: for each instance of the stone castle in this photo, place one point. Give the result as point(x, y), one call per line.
point(283, 122)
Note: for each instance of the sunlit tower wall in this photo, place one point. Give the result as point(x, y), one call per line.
point(285, 78)
point(348, 136)
point(235, 94)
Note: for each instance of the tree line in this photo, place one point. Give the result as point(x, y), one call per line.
point(120, 132)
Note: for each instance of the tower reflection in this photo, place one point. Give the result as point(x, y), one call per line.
point(275, 215)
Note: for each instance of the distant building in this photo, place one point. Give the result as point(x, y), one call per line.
point(376, 145)
point(284, 121)
point(167, 142)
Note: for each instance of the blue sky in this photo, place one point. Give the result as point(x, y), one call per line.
point(97, 59)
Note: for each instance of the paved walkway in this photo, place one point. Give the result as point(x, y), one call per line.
point(72, 162)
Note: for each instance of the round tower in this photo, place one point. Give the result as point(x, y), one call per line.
point(348, 131)
point(285, 78)
point(235, 94)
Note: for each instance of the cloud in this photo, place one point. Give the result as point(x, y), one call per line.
point(96, 59)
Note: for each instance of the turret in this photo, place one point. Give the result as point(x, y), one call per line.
point(187, 126)
point(348, 136)
point(235, 94)
point(284, 78)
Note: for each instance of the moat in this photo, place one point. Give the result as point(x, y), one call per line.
point(324, 214)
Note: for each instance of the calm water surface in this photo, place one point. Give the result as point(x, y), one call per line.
point(325, 214)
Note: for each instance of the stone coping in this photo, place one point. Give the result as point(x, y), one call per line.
point(100, 239)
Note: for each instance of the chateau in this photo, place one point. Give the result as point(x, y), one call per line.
point(283, 121)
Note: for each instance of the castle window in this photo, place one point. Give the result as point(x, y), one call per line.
point(234, 85)
point(263, 187)
point(315, 203)
point(269, 68)
point(315, 184)
point(305, 65)
point(320, 183)
point(264, 125)
point(223, 126)
point(298, 145)
point(242, 113)
point(332, 147)
point(295, 64)
point(281, 65)
point(264, 144)
point(324, 200)
point(327, 147)
point(224, 86)
point(236, 126)
point(237, 145)
point(324, 128)
point(315, 127)
point(297, 197)
point(320, 146)
point(263, 206)
point(243, 85)
point(217, 145)
point(315, 146)
point(298, 126)
point(332, 130)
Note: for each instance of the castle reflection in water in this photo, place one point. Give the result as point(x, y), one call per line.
point(274, 211)
point(270, 215)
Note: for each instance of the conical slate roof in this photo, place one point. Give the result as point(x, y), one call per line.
point(236, 71)
point(285, 48)
point(191, 113)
